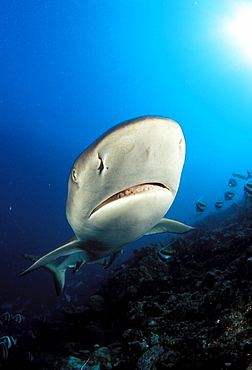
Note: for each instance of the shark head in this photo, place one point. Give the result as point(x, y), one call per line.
point(125, 182)
point(119, 189)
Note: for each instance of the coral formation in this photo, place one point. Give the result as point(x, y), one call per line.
point(193, 311)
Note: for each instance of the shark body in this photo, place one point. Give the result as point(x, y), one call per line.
point(119, 189)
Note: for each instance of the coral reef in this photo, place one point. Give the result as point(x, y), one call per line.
point(193, 311)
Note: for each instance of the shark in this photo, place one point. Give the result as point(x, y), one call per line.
point(119, 189)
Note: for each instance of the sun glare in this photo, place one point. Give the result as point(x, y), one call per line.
point(240, 29)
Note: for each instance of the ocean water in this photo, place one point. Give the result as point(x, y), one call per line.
point(72, 69)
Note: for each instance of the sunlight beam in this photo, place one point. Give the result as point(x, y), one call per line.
point(240, 29)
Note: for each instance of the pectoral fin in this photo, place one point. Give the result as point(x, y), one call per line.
point(170, 226)
point(58, 268)
point(66, 249)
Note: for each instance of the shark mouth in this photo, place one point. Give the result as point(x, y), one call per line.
point(133, 190)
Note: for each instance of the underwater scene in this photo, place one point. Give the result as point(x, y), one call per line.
point(126, 185)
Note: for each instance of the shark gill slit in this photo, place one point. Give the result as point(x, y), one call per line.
point(133, 190)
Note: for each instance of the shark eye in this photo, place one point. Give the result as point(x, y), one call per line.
point(74, 175)
point(101, 166)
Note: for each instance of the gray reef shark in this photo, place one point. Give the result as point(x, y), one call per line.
point(119, 189)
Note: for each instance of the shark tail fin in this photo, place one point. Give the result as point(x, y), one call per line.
point(66, 249)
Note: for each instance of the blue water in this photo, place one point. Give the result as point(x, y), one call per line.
point(72, 69)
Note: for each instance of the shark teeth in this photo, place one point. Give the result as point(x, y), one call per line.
point(133, 190)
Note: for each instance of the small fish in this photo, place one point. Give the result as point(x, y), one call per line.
point(167, 252)
point(237, 205)
point(6, 316)
point(4, 350)
point(229, 195)
point(6, 305)
point(232, 183)
point(30, 357)
point(248, 187)
point(201, 206)
point(68, 297)
point(219, 204)
point(76, 285)
point(32, 335)
point(19, 311)
point(58, 305)
point(9, 341)
point(18, 318)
